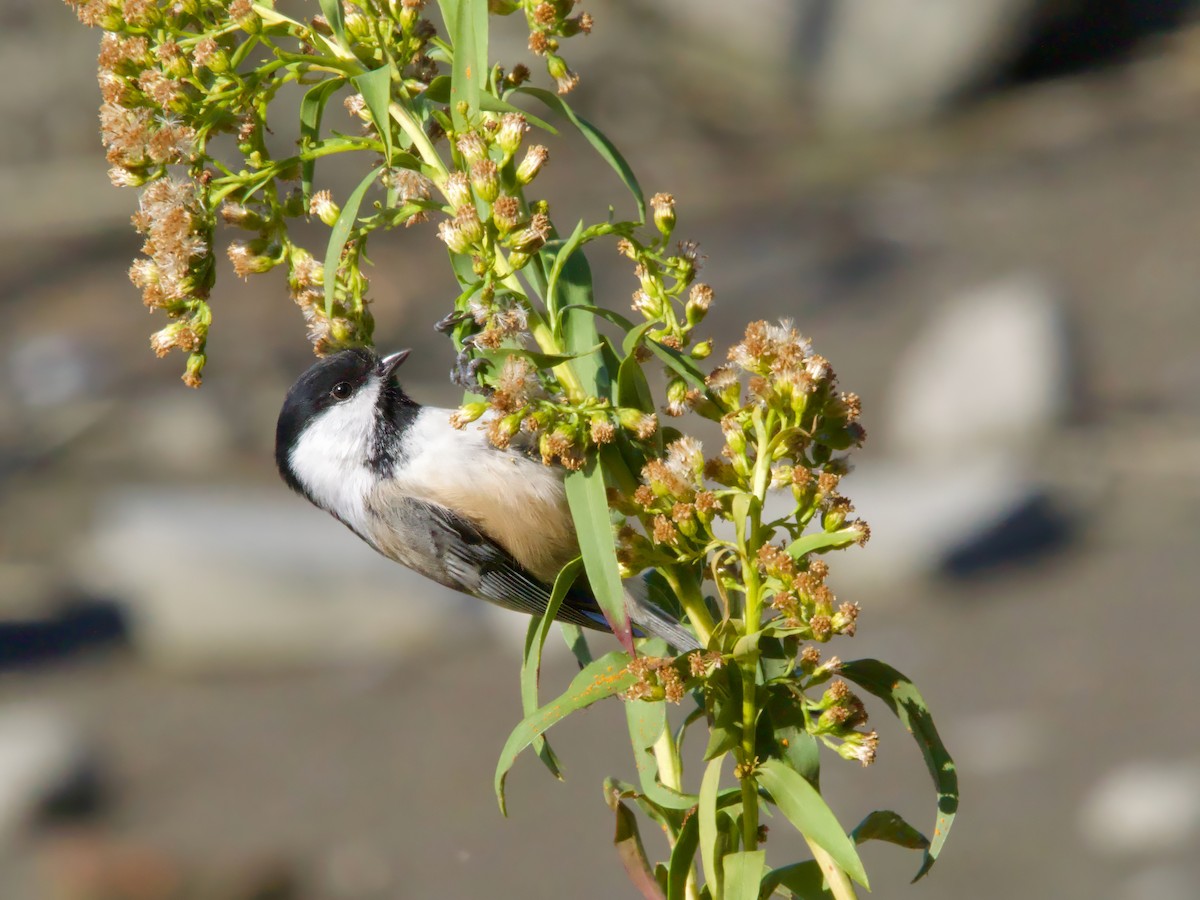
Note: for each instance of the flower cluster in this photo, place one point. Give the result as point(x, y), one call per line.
point(549, 22)
point(173, 77)
point(509, 231)
point(659, 678)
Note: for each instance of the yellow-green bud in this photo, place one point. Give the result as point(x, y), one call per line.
point(458, 191)
point(511, 133)
point(322, 206)
point(533, 237)
point(702, 350)
point(664, 213)
point(506, 213)
point(486, 179)
point(534, 161)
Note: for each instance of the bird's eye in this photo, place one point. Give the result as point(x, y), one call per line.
point(342, 390)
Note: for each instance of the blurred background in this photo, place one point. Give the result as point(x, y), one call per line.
point(985, 214)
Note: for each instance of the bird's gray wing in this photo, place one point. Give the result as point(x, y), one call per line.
point(442, 545)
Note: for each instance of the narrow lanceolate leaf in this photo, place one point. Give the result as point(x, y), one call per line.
point(561, 257)
point(312, 108)
point(531, 665)
point(541, 360)
point(376, 89)
point(821, 541)
point(680, 363)
point(885, 825)
point(743, 874)
point(647, 723)
point(709, 833)
point(340, 233)
point(332, 10)
point(805, 880)
point(574, 288)
point(466, 20)
point(903, 698)
point(605, 677)
point(683, 859)
point(807, 811)
point(589, 508)
point(599, 142)
point(438, 93)
point(632, 854)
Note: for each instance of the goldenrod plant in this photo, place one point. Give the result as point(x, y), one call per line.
point(446, 139)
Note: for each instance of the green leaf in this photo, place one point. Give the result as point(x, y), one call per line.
point(589, 508)
point(531, 664)
point(633, 390)
point(807, 811)
point(725, 703)
point(312, 108)
point(795, 746)
point(647, 722)
point(634, 337)
point(599, 142)
point(579, 332)
point(376, 89)
point(466, 22)
point(576, 643)
point(612, 316)
point(743, 874)
point(332, 10)
point(605, 677)
point(561, 256)
point(683, 859)
point(681, 364)
point(439, 92)
point(632, 854)
point(820, 541)
point(340, 233)
point(805, 880)
point(903, 699)
point(541, 360)
point(709, 833)
point(885, 825)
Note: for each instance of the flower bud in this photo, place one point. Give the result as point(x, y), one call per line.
point(486, 179)
point(664, 213)
point(702, 350)
point(678, 401)
point(471, 146)
point(467, 414)
point(458, 191)
point(192, 373)
point(511, 133)
point(565, 79)
point(699, 301)
point(534, 161)
point(241, 216)
point(253, 257)
point(531, 238)
point(506, 213)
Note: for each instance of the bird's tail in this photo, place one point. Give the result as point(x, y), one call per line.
point(653, 620)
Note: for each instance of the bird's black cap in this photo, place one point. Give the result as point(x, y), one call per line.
point(314, 391)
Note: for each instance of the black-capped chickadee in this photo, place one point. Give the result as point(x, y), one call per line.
point(443, 501)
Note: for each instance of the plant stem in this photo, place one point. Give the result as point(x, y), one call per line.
point(687, 590)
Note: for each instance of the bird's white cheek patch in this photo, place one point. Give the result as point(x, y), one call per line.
point(330, 457)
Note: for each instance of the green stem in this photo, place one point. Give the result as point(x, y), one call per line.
point(691, 598)
point(421, 142)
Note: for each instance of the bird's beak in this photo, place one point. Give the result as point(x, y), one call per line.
point(389, 364)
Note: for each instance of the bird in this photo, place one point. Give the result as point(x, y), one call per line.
point(444, 501)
